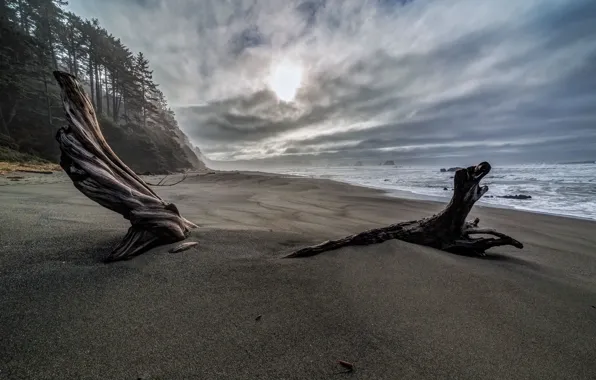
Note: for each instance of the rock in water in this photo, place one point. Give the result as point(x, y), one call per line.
point(454, 169)
point(517, 196)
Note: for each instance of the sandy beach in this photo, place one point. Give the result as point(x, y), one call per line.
point(232, 308)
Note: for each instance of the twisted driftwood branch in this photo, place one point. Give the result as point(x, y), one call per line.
point(447, 230)
point(99, 174)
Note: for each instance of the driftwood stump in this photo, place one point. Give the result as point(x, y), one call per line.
point(97, 172)
point(446, 231)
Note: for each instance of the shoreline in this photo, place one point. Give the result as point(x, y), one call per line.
point(32, 178)
point(411, 195)
point(483, 204)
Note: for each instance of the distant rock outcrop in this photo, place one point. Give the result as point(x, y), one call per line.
point(193, 154)
point(517, 196)
point(443, 170)
point(204, 160)
point(454, 169)
point(579, 162)
point(389, 163)
point(358, 163)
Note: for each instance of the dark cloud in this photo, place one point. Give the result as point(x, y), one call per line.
point(406, 80)
point(248, 38)
point(309, 10)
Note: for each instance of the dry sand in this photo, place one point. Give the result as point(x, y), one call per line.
point(395, 310)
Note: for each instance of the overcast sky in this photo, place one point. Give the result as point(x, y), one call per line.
point(415, 81)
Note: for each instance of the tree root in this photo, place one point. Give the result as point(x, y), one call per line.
point(446, 231)
point(98, 173)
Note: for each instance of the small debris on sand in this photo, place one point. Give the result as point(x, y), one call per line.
point(183, 246)
point(347, 365)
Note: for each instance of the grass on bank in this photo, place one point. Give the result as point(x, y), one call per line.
point(13, 161)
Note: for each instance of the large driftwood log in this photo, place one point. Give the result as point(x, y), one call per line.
point(447, 230)
point(97, 172)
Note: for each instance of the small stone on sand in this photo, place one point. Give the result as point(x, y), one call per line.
point(183, 247)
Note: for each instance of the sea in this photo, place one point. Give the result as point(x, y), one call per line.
point(558, 189)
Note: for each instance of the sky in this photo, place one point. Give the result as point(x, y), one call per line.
point(415, 81)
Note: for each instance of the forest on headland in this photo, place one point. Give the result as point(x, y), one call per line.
point(40, 36)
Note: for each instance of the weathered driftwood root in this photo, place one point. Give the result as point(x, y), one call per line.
point(97, 172)
point(447, 230)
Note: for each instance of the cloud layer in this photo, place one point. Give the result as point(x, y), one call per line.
point(416, 81)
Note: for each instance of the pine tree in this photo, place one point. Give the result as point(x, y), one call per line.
point(18, 67)
point(147, 88)
point(72, 40)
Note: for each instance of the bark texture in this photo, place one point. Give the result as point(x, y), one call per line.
point(446, 231)
point(99, 174)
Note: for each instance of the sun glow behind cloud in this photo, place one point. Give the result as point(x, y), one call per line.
point(285, 80)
